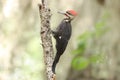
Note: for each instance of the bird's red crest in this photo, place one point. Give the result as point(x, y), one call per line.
point(72, 12)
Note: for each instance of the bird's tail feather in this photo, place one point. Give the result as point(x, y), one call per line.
point(56, 60)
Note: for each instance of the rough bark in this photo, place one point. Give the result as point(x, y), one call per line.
point(45, 16)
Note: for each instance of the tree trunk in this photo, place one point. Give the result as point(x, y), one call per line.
point(45, 16)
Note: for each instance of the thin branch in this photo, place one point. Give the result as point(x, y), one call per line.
point(42, 1)
point(45, 33)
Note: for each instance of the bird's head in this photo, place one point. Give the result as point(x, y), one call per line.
point(70, 14)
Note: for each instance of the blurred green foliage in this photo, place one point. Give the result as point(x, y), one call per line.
point(81, 61)
point(33, 58)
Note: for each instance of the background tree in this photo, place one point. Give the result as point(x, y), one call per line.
point(97, 25)
point(98, 47)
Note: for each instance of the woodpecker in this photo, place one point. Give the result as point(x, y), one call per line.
point(62, 35)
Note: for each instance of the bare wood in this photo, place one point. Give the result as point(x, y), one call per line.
point(45, 16)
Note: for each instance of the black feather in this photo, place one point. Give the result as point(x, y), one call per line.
point(62, 36)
